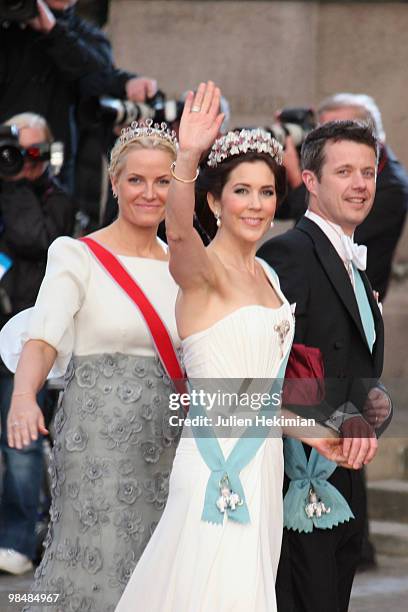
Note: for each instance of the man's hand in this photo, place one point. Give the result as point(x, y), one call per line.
point(45, 20)
point(359, 442)
point(139, 89)
point(377, 407)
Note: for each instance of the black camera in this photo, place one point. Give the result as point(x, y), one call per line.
point(12, 155)
point(294, 122)
point(121, 113)
point(18, 10)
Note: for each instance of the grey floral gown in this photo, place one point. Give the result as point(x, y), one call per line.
point(113, 445)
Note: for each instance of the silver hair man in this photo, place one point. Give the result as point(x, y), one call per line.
point(356, 106)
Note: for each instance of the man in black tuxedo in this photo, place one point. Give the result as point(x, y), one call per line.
point(321, 269)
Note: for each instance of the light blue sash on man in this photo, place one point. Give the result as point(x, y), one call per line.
point(313, 473)
point(305, 475)
point(242, 453)
point(366, 314)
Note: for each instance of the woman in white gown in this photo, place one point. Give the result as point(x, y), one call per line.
point(235, 324)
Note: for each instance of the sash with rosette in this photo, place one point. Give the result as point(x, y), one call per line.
point(311, 501)
point(225, 473)
point(158, 331)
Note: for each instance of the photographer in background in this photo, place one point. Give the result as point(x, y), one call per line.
point(95, 11)
point(34, 211)
point(382, 228)
point(49, 61)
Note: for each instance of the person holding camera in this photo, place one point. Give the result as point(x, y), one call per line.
point(49, 61)
point(34, 211)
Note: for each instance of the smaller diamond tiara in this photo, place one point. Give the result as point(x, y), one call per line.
point(147, 128)
point(236, 143)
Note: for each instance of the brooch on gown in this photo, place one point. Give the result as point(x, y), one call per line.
point(282, 329)
point(315, 507)
point(228, 500)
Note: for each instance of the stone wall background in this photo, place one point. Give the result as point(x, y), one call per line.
point(267, 54)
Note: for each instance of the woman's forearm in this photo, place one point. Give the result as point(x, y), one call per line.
point(303, 432)
point(34, 365)
point(181, 198)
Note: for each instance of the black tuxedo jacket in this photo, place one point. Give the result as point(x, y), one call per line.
point(312, 274)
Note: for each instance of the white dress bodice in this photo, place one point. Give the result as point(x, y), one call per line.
point(80, 310)
point(243, 344)
point(246, 343)
point(242, 352)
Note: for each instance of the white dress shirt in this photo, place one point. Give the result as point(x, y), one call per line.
point(347, 250)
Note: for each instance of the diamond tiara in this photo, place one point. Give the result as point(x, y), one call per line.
point(236, 143)
point(147, 128)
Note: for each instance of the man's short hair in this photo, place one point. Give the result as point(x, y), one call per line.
point(31, 120)
point(365, 106)
point(313, 154)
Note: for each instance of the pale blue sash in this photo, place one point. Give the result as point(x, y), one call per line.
point(306, 474)
point(243, 452)
point(364, 308)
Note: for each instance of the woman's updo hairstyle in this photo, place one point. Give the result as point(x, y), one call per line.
point(213, 180)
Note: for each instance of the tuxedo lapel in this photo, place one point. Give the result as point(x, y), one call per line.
point(335, 270)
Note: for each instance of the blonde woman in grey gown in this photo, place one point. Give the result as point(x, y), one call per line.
point(113, 447)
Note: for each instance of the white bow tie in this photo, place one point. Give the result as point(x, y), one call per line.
point(354, 253)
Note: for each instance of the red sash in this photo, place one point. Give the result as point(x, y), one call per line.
point(160, 336)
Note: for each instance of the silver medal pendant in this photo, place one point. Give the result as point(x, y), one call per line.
point(315, 507)
point(228, 500)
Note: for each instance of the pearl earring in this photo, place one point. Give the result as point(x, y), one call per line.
point(218, 218)
point(272, 224)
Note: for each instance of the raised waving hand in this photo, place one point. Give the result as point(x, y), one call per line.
point(199, 127)
point(201, 119)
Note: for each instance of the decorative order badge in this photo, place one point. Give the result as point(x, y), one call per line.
point(315, 507)
point(228, 500)
point(282, 330)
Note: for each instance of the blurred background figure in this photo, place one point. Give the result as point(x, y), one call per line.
point(382, 228)
point(34, 211)
point(95, 11)
point(41, 65)
point(49, 60)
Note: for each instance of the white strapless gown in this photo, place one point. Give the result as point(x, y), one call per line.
point(193, 566)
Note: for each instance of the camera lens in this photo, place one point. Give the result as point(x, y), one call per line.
point(11, 160)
